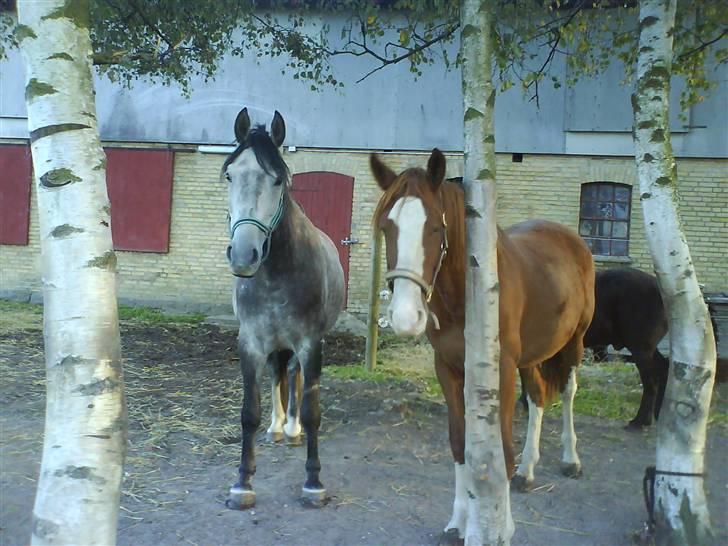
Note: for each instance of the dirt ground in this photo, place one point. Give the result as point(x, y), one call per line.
point(384, 451)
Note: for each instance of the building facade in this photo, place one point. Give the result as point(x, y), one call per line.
point(568, 161)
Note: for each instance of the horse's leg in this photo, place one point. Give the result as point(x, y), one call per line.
point(523, 399)
point(242, 495)
point(533, 384)
point(662, 366)
point(648, 376)
point(507, 390)
point(309, 357)
point(571, 356)
point(279, 395)
point(452, 388)
point(292, 428)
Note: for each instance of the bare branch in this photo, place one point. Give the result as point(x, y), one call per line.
point(703, 45)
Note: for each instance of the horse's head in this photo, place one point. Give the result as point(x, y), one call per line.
point(257, 180)
point(411, 216)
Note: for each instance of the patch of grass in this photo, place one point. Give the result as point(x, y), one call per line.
point(30, 315)
point(148, 314)
point(357, 372)
point(426, 384)
point(719, 406)
point(16, 315)
point(609, 391)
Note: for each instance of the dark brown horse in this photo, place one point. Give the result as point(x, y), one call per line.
point(546, 277)
point(629, 313)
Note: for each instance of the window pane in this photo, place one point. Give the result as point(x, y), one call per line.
point(619, 248)
point(604, 229)
point(589, 209)
point(621, 194)
point(606, 192)
point(589, 192)
point(619, 230)
point(586, 227)
point(600, 247)
point(606, 209)
point(621, 211)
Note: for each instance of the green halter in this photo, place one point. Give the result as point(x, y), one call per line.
point(266, 229)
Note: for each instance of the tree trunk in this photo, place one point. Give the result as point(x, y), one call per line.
point(77, 499)
point(489, 511)
point(681, 511)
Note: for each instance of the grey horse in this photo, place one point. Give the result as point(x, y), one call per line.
point(289, 291)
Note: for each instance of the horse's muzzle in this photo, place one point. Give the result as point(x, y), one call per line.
point(408, 314)
point(243, 264)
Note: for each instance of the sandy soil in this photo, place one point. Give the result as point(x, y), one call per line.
point(384, 451)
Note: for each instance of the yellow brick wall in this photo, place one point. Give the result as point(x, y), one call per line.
point(195, 271)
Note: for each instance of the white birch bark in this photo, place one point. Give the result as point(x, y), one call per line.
point(489, 518)
point(680, 506)
point(77, 498)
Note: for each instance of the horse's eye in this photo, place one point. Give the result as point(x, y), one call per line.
point(278, 182)
point(227, 177)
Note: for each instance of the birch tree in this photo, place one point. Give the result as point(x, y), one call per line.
point(489, 508)
point(77, 498)
point(681, 511)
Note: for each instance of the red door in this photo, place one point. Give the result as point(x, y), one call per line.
point(326, 198)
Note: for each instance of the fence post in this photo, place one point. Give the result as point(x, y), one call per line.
point(375, 277)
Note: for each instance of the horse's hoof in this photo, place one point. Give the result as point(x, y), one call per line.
point(274, 437)
point(240, 499)
point(571, 470)
point(294, 441)
point(314, 498)
point(451, 537)
point(521, 483)
point(636, 426)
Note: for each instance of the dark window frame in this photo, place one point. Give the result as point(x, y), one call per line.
point(597, 191)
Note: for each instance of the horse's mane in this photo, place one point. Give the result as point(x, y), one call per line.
point(266, 153)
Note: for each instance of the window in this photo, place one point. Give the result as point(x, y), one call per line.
point(604, 217)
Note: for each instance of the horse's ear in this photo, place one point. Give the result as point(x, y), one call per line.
point(436, 167)
point(382, 174)
point(278, 129)
point(242, 125)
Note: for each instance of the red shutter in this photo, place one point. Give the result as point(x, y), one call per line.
point(140, 189)
point(15, 176)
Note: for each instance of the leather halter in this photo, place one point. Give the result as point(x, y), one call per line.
point(416, 278)
point(267, 229)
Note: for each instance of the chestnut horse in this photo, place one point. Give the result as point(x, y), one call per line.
point(546, 278)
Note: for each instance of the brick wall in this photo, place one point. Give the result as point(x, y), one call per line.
point(195, 272)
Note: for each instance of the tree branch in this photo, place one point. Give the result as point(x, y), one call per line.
point(703, 45)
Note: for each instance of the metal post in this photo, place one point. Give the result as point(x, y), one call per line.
point(375, 277)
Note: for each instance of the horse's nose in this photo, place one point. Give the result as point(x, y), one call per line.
point(244, 262)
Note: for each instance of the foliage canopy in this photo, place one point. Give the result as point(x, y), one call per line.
point(172, 40)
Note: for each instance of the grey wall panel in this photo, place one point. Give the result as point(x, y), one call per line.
point(12, 85)
point(708, 136)
point(522, 125)
point(388, 110)
point(604, 104)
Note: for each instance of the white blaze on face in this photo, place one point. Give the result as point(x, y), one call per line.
point(407, 313)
